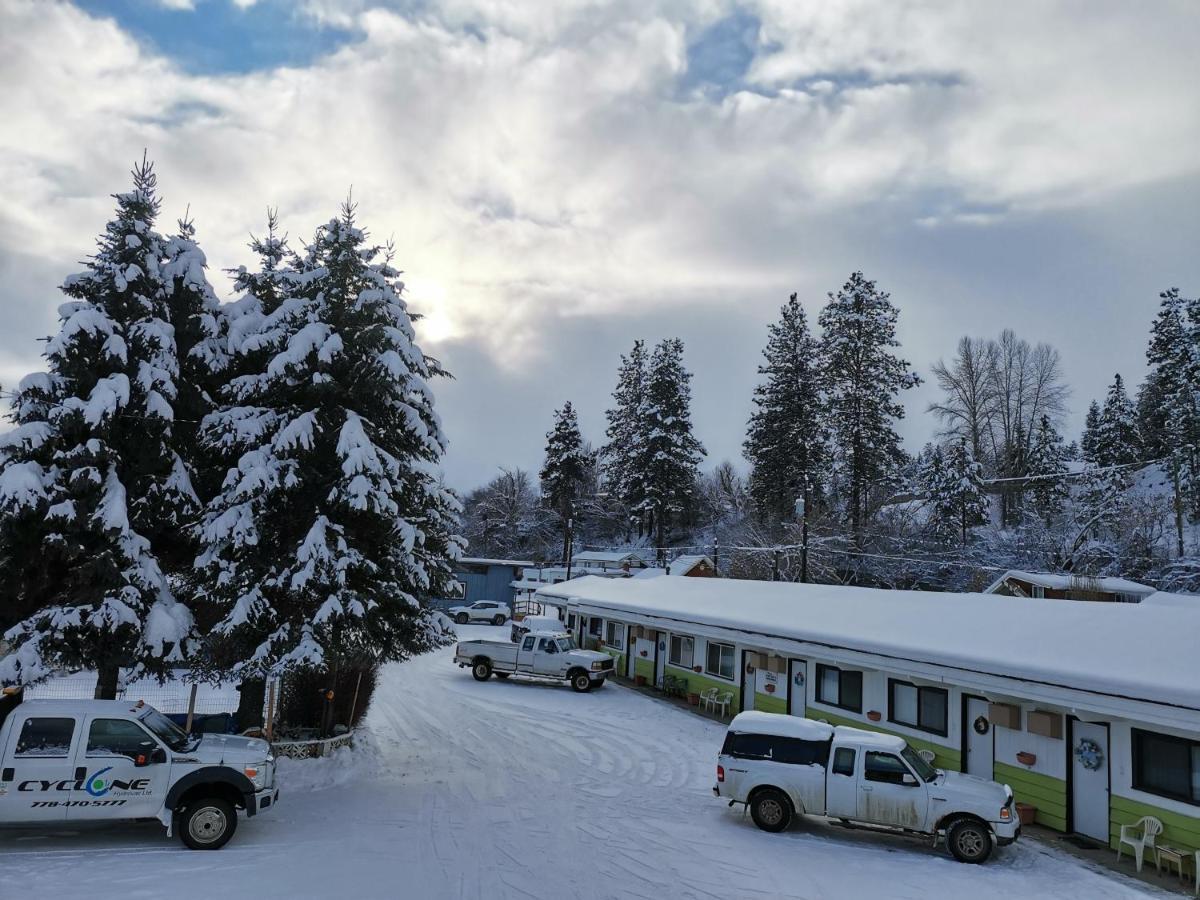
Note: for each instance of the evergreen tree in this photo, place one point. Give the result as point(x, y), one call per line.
point(957, 499)
point(666, 466)
point(91, 469)
point(1117, 440)
point(1048, 457)
point(1091, 429)
point(787, 440)
point(865, 378)
point(333, 527)
point(626, 432)
point(566, 467)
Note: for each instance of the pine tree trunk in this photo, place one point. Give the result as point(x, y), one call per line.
point(251, 693)
point(106, 681)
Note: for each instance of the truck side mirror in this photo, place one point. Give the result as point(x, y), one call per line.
point(908, 780)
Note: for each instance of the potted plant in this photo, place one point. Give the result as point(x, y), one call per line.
point(1026, 812)
point(693, 698)
point(639, 680)
point(874, 715)
point(697, 668)
point(1026, 758)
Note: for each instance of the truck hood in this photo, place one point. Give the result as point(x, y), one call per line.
point(960, 785)
point(588, 656)
point(230, 748)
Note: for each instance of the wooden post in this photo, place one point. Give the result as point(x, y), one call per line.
point(270, 724)
point(354, 701)
point(191, 709)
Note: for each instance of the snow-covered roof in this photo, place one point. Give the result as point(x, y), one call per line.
point(652, 572)
point(681, 565)
point(1066, 582)
point(755, 722)
point(1165, 598)
point(876, 739)
point(609, 556)
point(482, 561)
point(1125, 651)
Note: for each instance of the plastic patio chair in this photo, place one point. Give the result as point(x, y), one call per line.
point(723, 701)
point(1138, 837)
point(708, 699)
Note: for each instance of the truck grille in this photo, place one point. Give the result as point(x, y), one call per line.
point(606, 664)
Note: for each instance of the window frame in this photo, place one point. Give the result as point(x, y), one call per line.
point(89, 753)
point(921, 690)
point(732, 676)
point(614, 635)
point(822, 668)
point(1136, 751)
point(18, 734)
point(691, 655)
point(902, 771)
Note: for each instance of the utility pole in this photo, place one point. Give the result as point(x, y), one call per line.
point(775, 565)
point(803, 503)
point(570, 535)
point(1178, 503)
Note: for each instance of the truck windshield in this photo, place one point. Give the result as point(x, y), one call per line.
point(170, 733)
point(924, 770)
point(564, 644)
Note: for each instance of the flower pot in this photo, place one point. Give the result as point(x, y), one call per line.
point(639, 680)
point(643, 653)
point(874, 715)
point(1026, 812)
point(1026, 758)
point(697, 668)
point(770, 688)
point(693, 699)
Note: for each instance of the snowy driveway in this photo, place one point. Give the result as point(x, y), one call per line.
point(521, 790)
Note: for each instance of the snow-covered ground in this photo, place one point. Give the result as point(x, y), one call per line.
point(521, 790)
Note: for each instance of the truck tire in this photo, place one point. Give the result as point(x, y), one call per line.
point(207, 823)
point(580, 682)
point(481, 670)
point(969, 840)
point(462, 618)
point(771, 810)
point(498, 619)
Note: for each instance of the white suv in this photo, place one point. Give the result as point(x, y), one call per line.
point(483, 611)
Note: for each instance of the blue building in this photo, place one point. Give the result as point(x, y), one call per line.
point(485, 579)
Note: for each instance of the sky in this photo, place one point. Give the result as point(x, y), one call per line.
point(563, 178)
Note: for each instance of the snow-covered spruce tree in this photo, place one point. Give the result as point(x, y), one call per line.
point(91, 470)
point(669, 452)
point(566, 467)
point(1117, 439)
point(865, 378)
point(626, 433)
point(957, 499)
point(1168, 357)
point(1048, 491)
point(787, 442)
point(333, 527)
point(1091, 429)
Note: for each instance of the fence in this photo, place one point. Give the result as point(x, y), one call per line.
point(170, 697)
point(314, 748)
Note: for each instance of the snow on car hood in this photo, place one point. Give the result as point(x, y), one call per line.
point(963, 785)
point(589, 655)
point(217, 748)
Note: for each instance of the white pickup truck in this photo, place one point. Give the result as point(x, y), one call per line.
point(542, 654)
point(783, 766)
point(106, 760)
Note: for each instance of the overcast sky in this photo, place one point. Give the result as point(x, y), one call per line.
point(561, 178)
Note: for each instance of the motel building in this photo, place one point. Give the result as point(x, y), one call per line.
point(1089, 711)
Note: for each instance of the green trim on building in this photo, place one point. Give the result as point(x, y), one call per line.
point(698, 684)
point(619, 664)
point(1047, 793)
point(1178, 830)
point(644, 666)
point(946, 758)
point(771, 703)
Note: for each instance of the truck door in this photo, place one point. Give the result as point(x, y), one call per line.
point(841, 784)
point(546, 658)
point(127, 772)
point(889, 793)
point(37, 768)
point(525, 654)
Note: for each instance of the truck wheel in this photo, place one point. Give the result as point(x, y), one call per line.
point(462, 618)
point(581, 682)
point(498, 619)
point(208, 824)
point(771, 810)
point(482, 670)
point(970, 841)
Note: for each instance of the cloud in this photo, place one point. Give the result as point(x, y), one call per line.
point(546, 165)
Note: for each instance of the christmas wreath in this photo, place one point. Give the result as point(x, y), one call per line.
point(1089, 754)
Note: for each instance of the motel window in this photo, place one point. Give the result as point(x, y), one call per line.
point(595, 626)
point(839, 687)
point(719, 660)
point(683, 651)
point(616, 635)
point(1166, 765)
point(923, 708)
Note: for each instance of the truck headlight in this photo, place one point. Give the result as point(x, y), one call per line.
point(597, 666)
point(1005, 814)
point(259, 774)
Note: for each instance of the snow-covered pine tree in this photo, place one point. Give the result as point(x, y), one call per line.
point(787, 441)
point(626, 432)
point(91, 469)
point(1117, 440)
point(333, 528)
point(1048, 456)
point(865, 378)
point(566, 467)
point(666, 466)
point(1091, 429)
point(1167, 355)
point(957, 499)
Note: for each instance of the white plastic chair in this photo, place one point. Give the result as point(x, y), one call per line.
point(708, 699)
point(723, 702)
point(1139, 836)
point(1197, 871)
point(926, 755)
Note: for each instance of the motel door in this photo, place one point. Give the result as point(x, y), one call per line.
point(661, 643)
point(1089, 779)
point(796, 687)
point(630, 652)
point(980, 738)
point(749, 682)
